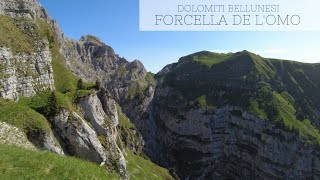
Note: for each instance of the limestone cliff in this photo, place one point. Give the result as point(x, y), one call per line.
point(25, 60)
point(128, 83)
point(238, 116)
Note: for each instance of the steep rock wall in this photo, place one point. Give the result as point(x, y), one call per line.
point(231, 143)
point(24, 75)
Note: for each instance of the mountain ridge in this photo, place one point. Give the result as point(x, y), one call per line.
point(200, 106)
point(208, 116)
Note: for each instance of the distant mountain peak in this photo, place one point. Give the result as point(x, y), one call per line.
point(210, 59)
point(91, 38)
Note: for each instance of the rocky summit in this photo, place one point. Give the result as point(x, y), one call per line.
point(208, 116)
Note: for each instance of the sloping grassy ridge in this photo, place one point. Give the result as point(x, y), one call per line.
point(12, 36)
point(23, 117)
point(284, 92)
point(279, 108)
point(18, 163)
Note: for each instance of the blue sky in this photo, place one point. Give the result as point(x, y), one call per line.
point(116, 22)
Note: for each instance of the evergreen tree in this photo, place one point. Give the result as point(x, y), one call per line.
point(53, 107)
point(80, 84)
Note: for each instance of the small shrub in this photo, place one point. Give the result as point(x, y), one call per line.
point(48, 103)
point(83, 93)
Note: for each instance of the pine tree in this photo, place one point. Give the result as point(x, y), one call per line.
point(80, 84)
point(52, 107)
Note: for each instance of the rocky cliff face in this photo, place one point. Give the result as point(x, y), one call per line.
point(24, 75)
point(128, 83)
point(25, 62)
point(231, 143)
point(105, 126)
point(211, 124)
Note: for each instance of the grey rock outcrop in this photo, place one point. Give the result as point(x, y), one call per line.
point(109, 106)
point(12, 135)
point(91, 59)
point(78, 138)
point(49, 144)
point(46, 141)
point(106, 128)
point(127, 82)
point(92, 110)
point(29, 10)
point(24, 75)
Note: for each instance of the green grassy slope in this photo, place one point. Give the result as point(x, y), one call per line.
point(140, 168)
point(18, 163)
point(11, 36)
point(23, 117)
point(210, 58)
point(64, 79)
point(279, 108)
